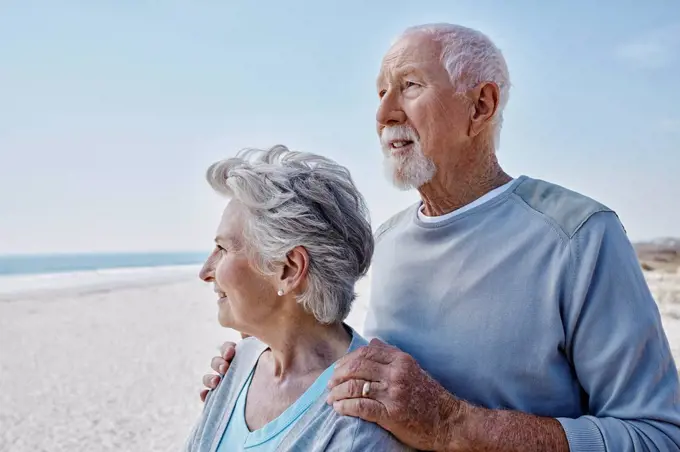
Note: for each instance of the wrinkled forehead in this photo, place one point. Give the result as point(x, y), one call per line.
point(413, 53)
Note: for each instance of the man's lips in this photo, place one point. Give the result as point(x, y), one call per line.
point(400, 147)
point(398, 144)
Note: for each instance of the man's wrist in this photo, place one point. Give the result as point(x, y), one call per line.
point(470, 427)
point(452, 414)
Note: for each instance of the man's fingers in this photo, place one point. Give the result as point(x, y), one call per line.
point(359, 369)
point(366, 409)
point(204, 394)
point(219, 365)
point(228, 350)
point(375, 342)
point(352, 389)
point(211, 381)
point(377, 353)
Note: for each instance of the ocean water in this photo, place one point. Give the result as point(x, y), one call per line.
point(69, 263)
point(84, 273)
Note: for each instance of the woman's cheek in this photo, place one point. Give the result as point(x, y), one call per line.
point(222, 273)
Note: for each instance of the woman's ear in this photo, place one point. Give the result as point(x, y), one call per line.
point(294, 271)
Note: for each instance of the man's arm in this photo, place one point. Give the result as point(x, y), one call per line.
point(418, 411)
point(481, 429)
point(618, 348)
point(614, 339)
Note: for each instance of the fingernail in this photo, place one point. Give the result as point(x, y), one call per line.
point(214, 380)
point(223, 368)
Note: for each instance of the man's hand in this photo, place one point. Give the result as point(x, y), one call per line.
point(402, 399)
point(219, 364)
point(420, 413)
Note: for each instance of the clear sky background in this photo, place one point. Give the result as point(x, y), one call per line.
point(110, 111)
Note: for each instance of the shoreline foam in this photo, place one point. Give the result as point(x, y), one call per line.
point(78, 283)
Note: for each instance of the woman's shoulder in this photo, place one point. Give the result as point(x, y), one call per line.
point(323, 429)
point(220, 401)
point(249, 348)
point(248, 351)
point(370, 436)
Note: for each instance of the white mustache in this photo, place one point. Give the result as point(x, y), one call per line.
point(396, 133)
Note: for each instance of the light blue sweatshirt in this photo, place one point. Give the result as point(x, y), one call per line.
point(533, 301)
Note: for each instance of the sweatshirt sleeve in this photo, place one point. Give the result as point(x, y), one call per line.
point(617, 345)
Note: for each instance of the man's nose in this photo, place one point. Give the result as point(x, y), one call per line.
point(390, 112)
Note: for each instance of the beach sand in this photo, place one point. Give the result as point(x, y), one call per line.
point(117, 365)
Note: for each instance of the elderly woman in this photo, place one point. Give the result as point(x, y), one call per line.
point(293, 241)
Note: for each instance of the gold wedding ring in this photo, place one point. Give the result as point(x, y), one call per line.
point(366, 389)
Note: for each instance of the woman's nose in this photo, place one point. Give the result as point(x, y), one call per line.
point(207, 271)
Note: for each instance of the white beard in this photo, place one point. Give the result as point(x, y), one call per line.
point(406, 171)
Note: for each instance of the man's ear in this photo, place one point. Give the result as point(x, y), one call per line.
point(294, 272)
point(485, 99)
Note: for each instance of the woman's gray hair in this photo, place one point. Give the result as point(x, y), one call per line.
point(300, 199)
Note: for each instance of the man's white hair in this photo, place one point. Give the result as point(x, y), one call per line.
point(300, 199)
point(470, 58)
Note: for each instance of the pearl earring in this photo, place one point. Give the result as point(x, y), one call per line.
point(280, 292)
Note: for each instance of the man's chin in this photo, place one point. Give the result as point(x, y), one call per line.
point(401, 181)
point(395, 175)
point(402, 185)
point(407, 175)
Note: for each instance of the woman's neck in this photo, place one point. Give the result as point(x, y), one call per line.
point(304, 346)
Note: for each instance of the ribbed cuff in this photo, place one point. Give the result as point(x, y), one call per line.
point(582, 435)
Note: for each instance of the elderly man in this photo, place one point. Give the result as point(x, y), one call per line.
point(516, 311)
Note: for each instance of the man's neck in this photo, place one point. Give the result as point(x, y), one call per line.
point(304, 346)
point(454, 188)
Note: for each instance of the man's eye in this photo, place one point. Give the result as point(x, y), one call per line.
point(220, 248)
point(382, 93)
point(409, 84)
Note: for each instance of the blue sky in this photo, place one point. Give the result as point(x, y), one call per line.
point(110, 111)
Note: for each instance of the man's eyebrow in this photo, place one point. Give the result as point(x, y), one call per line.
point(409, 69)
point(403, 71)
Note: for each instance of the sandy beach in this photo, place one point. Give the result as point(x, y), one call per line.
point(115, 364)
point(111, 365)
